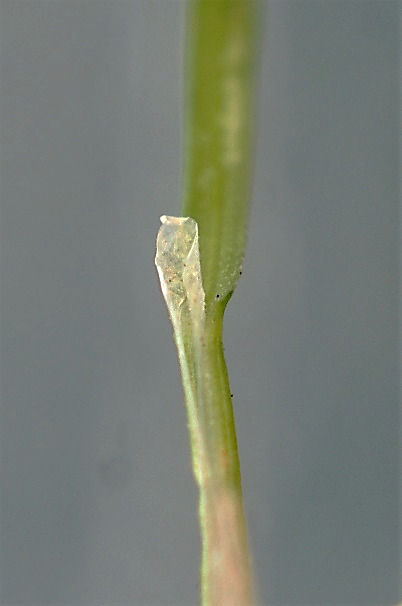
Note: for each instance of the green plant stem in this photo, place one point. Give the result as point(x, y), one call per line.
point(226, 577)
point(221, 45)
point(226, 573)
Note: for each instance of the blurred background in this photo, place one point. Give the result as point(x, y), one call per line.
point(98, 503)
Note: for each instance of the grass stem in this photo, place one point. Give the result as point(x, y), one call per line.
point(199, 259)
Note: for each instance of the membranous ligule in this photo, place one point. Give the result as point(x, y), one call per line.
point(178, 264)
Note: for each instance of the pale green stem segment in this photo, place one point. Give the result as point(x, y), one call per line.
point(226, 577)
point(199, 259)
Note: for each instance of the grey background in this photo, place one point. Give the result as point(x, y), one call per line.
point(98, 503)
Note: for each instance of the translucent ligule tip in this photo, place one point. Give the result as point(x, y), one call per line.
point(178, 263)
